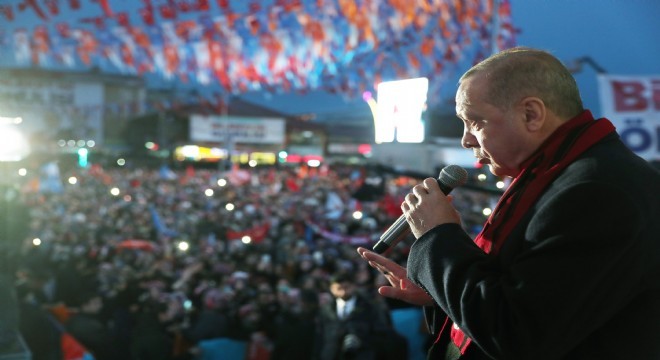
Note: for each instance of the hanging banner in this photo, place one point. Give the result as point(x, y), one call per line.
point(632, 103)
point(343, 47)
point(234, 129)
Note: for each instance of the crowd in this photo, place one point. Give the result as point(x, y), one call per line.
point(156, 264)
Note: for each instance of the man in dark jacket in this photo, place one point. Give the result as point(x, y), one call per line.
point(353, 327)
point(151, 340)
point(567, 265)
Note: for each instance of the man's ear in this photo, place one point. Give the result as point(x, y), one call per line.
point(535, 113)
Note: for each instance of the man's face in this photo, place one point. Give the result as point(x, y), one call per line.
point(342, 290)
point(496, 136)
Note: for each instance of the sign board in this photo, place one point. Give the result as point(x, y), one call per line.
point(398, 115)
point(233, 129)
point(632, 103)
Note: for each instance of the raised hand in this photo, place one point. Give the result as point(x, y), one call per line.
point(400, 287)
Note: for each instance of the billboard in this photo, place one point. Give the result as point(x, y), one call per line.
point(398, 111)
point(234, 129)
point(632, 103)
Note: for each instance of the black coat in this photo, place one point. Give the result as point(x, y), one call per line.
point(578, 278)
point(93, 335)
point(295, 336)
point(150, 339)
point(367, 321)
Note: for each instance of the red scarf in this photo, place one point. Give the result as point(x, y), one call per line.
point(562, 148)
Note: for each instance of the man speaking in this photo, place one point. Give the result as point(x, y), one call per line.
point(567, 265)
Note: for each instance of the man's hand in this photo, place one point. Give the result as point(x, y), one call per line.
point(351, 343)
point(400, 287)
point(427, 207)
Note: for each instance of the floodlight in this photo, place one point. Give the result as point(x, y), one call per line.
point(13, 145)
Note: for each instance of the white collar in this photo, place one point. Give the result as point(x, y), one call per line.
point(345, 306)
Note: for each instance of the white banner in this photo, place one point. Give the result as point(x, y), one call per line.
point(632, 103)
point(235, 129)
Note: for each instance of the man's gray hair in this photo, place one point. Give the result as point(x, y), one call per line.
point(519, 72)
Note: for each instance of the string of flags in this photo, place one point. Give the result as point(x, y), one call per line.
point(342, 46)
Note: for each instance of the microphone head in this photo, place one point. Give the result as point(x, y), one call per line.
point(453, 176)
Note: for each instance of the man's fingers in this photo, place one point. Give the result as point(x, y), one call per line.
point(420, 191)
point(391, 292)
point(379, 267)
point(372, 256)
point(393, 278)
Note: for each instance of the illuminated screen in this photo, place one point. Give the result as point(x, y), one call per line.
point(199, 153)
point(206, 154)
point(399, 111)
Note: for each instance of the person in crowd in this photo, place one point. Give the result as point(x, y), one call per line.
point(212, 321)
point(86, 325)
point(151, 340)
point(567, 265)
point(295, 325)
point(36, 325)
point(351, 326)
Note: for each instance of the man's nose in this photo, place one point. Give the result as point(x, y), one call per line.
point(468, 140)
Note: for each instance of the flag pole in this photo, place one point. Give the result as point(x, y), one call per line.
point(495, 27)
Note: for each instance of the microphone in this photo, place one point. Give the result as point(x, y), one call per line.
point(450, 177)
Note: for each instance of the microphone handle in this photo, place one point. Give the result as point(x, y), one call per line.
point(395, 233)
point(396, 227)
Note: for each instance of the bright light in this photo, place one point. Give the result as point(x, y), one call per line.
point(121, 162)
point(91, 143)
point(22, 171)
point(246, 239)
point(183, 246)
point(82, 157)
point(61, 142)
point(36, 241)
point(11, 120)
point(222, 182)
point(208, 192)
point(282, 154)
point(229, 206)
point(149, 145)
point(73, 180)
point(313, 163)
point(364, 149)
point(500, 184)
point(71, 143)
point(80, 143)
point(487, 211)
point(252, 163)
point(399, 110)
point(218, 153)
point(357, 215)
point(190, 151)
point(13, 145)
point(127, 198)
point(482, 177)
point(114, 191)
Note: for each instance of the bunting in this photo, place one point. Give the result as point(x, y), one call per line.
point(341, 46)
